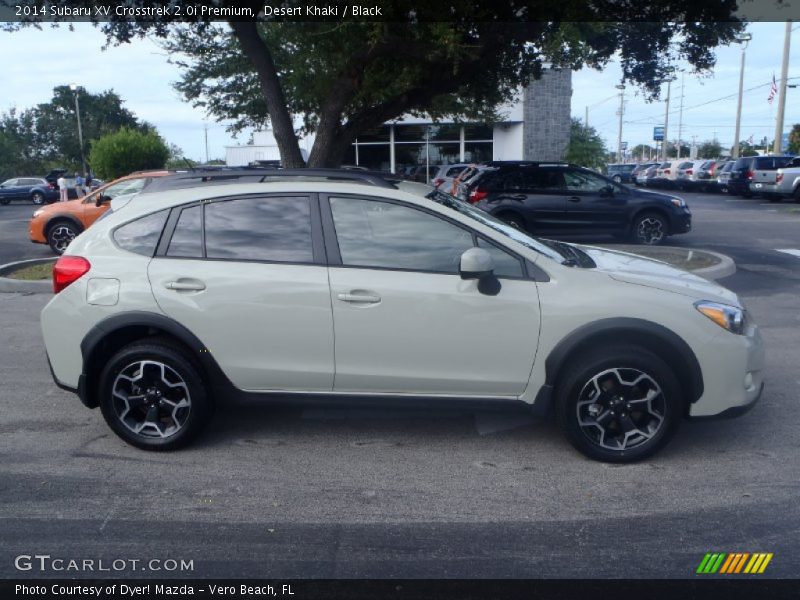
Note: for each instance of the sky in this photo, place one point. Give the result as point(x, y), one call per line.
point(140, 74)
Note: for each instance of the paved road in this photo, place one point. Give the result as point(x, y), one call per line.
point(283, 493)
point(14, 242)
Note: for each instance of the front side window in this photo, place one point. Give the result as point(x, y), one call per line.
point(385, 235)
point(505, 265)
point(141, 236)
point(580, 181)
point(274, 229)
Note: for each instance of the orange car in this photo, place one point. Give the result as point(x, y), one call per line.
point(59, 223)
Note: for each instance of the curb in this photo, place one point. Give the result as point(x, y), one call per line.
point(30, 287)
point(724, 268)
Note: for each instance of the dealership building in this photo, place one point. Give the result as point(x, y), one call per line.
point(533, 127)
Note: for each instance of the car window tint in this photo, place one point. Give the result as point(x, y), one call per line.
point(380, 234)
point(128, 186)
point(274, 229)
point(187, 239)
point(454, 171)
point(505, 265)
point(9, 182)
point(141, 236)
point(582, 181)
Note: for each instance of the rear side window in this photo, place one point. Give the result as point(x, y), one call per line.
point(187, 239)
point(141, 236)
point(275, 229)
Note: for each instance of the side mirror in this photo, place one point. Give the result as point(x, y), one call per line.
point(101, 199)
point(476, 263)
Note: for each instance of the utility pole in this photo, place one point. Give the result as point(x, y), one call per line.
point(586, 119)
point(621, 89)
point(75, 88)
point(743, 39)
point(782, 98)
point(205, 131)
point(665, 143)
point(680, 119)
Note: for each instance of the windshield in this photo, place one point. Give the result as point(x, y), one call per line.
point(553, 250)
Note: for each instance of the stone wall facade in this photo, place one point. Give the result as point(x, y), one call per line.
point(546, 116)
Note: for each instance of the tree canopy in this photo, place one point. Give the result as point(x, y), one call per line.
point(38, 138)
point(794, 139)
point(586, 147)
point(459, 59)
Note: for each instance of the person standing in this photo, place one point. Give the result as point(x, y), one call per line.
point(87, 185)
point(62, 188)
point(78, 185)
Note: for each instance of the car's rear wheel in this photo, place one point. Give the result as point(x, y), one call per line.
point(5, 201)
point(796, 194)
point(619, 404)
point(60, 235)
point(649, 229)
point(37, 198)
point(617, 179)
point(153, 397)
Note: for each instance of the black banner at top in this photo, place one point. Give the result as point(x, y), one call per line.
point(51, 11)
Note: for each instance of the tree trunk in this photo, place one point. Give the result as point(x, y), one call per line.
point(282, 126)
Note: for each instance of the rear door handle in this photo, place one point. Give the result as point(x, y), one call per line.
point(185, 286)
point(574, 199)
point(359, 298)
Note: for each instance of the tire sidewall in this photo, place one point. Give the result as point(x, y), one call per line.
point(588, 365)
point(53, 227)
point(200, 410)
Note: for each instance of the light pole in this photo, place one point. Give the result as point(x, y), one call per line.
point(621, 89)
point(665, 142)
point(782, 98)
point(76, 88)
point(743, 39)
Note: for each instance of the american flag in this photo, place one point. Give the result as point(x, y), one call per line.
point(773, 90)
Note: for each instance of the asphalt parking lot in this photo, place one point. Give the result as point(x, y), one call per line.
point(280, 493)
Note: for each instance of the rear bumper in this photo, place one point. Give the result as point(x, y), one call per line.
point(80, 391)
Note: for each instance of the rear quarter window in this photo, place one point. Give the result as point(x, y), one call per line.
point(141, 235)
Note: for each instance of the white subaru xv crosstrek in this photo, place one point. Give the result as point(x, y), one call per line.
point(342, 286)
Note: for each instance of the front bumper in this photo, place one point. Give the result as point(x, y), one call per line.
point(733, 374)
point(681, 223)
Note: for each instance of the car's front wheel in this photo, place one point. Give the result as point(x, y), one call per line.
point(60, 236)
point(153, 397)
point(649, 229)
point(619, 404)
point(617, 179)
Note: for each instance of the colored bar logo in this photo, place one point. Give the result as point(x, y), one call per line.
point(734, 563)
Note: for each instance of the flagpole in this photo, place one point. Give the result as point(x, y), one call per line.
point(782, 98)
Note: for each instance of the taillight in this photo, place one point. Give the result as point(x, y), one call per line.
point(67, 270)
point(689, 171)
point(666, 171)
point(778, 177)
point(437, 182)
point(477, 195)
point(749, 174)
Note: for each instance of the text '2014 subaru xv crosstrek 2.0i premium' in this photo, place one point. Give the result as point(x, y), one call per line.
point(344, 286)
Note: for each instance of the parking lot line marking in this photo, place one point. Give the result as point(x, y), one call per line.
point(791, 251)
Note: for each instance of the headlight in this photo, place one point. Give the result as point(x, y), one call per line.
point(679, 202)
point(727, 317)
point(36, 213)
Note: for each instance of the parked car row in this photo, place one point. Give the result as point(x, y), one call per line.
point(161, 308)
point(40, 190)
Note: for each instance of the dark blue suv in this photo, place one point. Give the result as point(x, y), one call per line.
point(35, 189)
point(561, 199)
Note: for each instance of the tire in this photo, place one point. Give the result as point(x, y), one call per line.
point(38, 198)
point(172, 406)
point(796, 194)
point(608, 418)
point(5, 201)
point(616, 179)
point(649, 229)
point(514, 220)
point(60, 235)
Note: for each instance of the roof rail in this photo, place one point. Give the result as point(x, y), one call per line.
point(200, 177)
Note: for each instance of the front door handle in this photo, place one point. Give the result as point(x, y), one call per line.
point(574, 199)
point(185, 286)
point(359, 298)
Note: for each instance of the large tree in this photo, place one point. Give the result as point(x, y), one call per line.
point(345, 77)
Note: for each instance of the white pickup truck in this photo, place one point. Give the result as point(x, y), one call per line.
point(777, 183)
